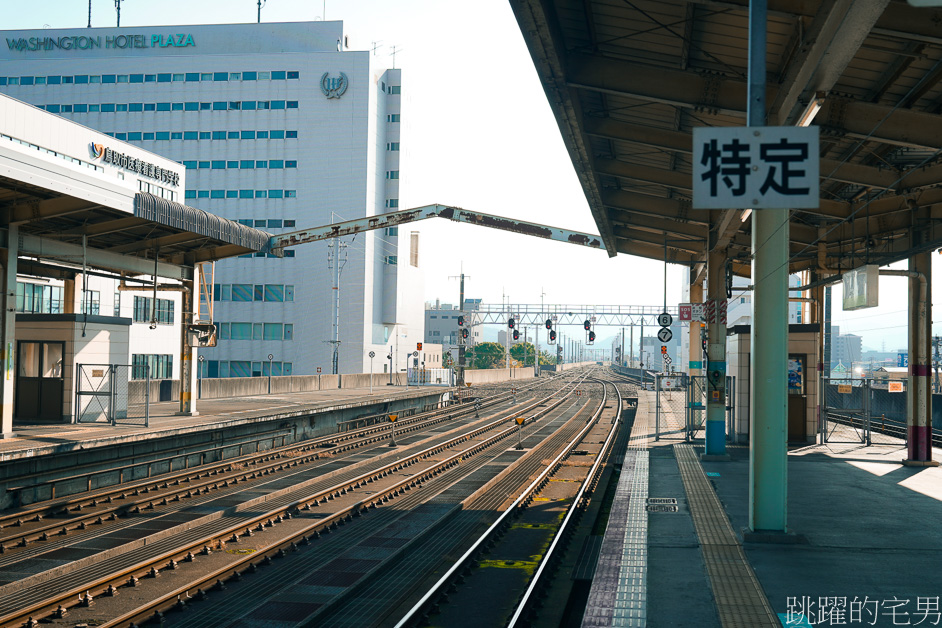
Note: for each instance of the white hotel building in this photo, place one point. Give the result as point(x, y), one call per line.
point(279, 126)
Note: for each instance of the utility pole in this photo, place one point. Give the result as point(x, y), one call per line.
point(334, 258)
point(117, 6)
point(89, 13)
point(631, 345)
point(261, 3)
point(461, 343)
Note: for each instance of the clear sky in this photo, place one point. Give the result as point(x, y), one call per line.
point(478, 133)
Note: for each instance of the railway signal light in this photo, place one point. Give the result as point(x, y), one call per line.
point(464, 333)
point(552, 335)
point(511, 322)
point(587, 325)
point(663, 348)
point(461, 321)
point(418, 346)
point(591, 336)
point(549, 323)
point(516, 335)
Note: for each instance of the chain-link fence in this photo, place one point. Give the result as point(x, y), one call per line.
point(864, 410)
point(105, 393)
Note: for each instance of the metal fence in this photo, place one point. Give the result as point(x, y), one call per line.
point(103, 394)
point(695, 403)
point(863, 410)
point(430, 377)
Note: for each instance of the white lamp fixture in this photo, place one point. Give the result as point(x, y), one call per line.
point(811, 109)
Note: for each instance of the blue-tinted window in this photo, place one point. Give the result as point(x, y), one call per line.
point(150, 78)
point(164, 78)
point(176, 106)
point(52, 108)
point(68, 79)
point(261, 194)
point(219, 135)
point(276, 164)
point(26, 80)
point(217, 194)
point(191, 106)
point(121, 136)
point(149, 106)
point(205, 106)
point(189, 165)
point(291, 193)
point(232, 135)
point(148, 136)
point(262, 135)
point(235, 105)
point(202, 194)
point(135, 106)
point(163, 106)
point(192, 76)
point(108, 78)
point(220, 76)
point(94, 108)
point(277, 135)
point(294, 75)
point(220, 106)
point(205, 135)
point(40, 80)
point(81, 79)
point(248, 105)
point(291, 135)
point(219, 164)
point(249, 76)
point(190, 135)
point(53, 80)
point(232, 164)
point(176, 135)
point(275, 224)
point(263, 104)
point(247, 163)
point(121, 106)
point(274, 194)
point(292, 104)
point(259, 223)
point(134, 136)
point(289, 253)
point(137, 78)
point(291, 164)
point(204, 164)
point(107, 107)
point(278, 75)
point(189, 194)
point(232, 193)
point(3, 80)
point(162, 135)
point(261, 164)
point(66, 108)
point(246, 194)
point(247, 135)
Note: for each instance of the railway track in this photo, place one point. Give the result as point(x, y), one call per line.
point(284, 503)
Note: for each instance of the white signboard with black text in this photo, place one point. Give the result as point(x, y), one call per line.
point(759, 167)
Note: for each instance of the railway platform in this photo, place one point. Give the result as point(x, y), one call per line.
point(861, 553)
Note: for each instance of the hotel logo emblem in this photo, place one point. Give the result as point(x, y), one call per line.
point(334, 87)
point(97, 150)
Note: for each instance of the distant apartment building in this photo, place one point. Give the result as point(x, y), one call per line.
point(441, 324)
point(845, 348)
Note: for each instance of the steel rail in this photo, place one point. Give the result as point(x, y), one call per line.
point(181, 594)
point(323, 495)
point(500, 521)
point(188, 476)
point(574, 508)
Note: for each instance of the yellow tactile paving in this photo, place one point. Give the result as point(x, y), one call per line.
point(740, 600)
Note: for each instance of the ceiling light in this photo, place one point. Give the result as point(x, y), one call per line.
point(811, 109)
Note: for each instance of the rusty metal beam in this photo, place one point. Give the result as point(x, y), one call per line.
point(457, 214)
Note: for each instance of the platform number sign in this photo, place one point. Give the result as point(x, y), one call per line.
point(759, 167)
point(664, 334)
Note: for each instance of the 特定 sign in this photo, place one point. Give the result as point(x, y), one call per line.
point(758, 167)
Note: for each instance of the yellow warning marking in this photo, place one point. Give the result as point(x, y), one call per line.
point(243, 550)
point(525, 565)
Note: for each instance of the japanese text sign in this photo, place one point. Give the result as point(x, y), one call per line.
point(758, 167)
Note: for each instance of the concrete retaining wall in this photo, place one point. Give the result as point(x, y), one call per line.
point(220, 388)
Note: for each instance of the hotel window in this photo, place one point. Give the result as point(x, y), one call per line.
point(391, 260)
point(392, 174)
point(394, 89)
point(291, 134)
point(392, 203)
point(393, 232)
point(294, 75)
point(277, 135)
point(393, 117)
point(392, 146)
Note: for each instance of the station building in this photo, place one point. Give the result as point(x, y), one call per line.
point(279, 127)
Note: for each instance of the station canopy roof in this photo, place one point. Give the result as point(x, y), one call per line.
point(52, 227)
point(628, 80)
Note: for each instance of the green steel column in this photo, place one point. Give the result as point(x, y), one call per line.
point(716, 365)
point(769, 339)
